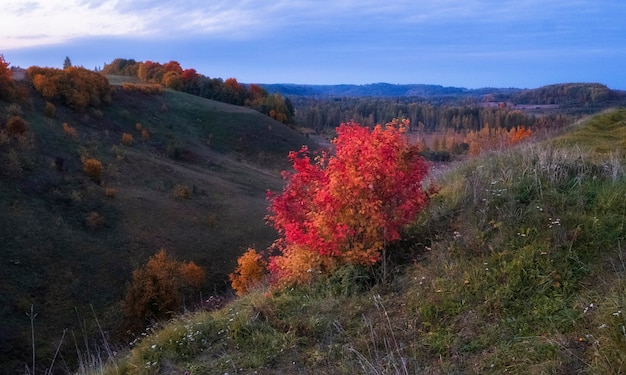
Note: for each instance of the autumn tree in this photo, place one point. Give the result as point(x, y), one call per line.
point(158, 289)
point(249, 272)
point(77, 87)
point(345, 208)
point(7, 86)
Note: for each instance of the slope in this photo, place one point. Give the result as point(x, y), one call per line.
point(517, 266)
point(192, 180)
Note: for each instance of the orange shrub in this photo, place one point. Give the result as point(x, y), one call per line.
point(158, 288)
point(92, 168)
point(145, 135)
point(110, 192)
point(249, 272)
point(69, 130)
point(127, 139)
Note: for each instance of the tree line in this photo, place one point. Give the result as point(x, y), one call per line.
point(323, 115)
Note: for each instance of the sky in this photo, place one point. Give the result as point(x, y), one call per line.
point(461, 43)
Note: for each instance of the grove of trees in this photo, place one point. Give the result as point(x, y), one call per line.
point(76, 87)
point(173, 76)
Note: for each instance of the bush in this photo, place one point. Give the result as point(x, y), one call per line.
point(92, 168)
point(249, 272)
point(94, 220)
point(16, 126)
point(69, 130)
point(182, 192)
point(50, 110)
point(158, 289)
point(110, 192)
point(127, 139)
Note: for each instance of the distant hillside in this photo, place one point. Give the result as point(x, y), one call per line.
point(566, 93)
point(379, 90)
point(179, 172)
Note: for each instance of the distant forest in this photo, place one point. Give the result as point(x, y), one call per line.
point(438, 108)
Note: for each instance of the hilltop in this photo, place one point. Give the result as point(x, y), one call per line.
point(179, 172)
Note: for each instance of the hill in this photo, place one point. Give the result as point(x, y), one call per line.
point(567, 94)
point(379, 90)
point(517, 266)
point(179, 172)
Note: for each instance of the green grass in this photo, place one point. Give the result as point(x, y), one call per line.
point(516, 267)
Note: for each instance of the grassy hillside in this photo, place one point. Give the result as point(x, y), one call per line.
point(192, 181)
point(516, 267)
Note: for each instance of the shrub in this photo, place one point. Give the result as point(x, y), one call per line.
point(92, 168)
point(16, 126)
point(110, 192)
point(69, 130)
point(145, 135)
point(127, 139)
point(50, 110)
point(15, 110)
point(249, 272)
point(148, 89)
point(94, 220)
point(182, 192)
point(158, 289)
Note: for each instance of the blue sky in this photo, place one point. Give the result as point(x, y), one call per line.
point(466, 43)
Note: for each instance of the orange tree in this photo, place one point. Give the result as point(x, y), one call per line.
point(344, 208)
point(158, 290)
point(7, 87)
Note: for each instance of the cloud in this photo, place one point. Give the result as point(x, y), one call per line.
point(41, 22)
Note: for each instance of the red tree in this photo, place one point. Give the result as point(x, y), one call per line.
point(345, 208)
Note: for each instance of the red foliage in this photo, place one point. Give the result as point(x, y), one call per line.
point(189, 75)
point(346, 207)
